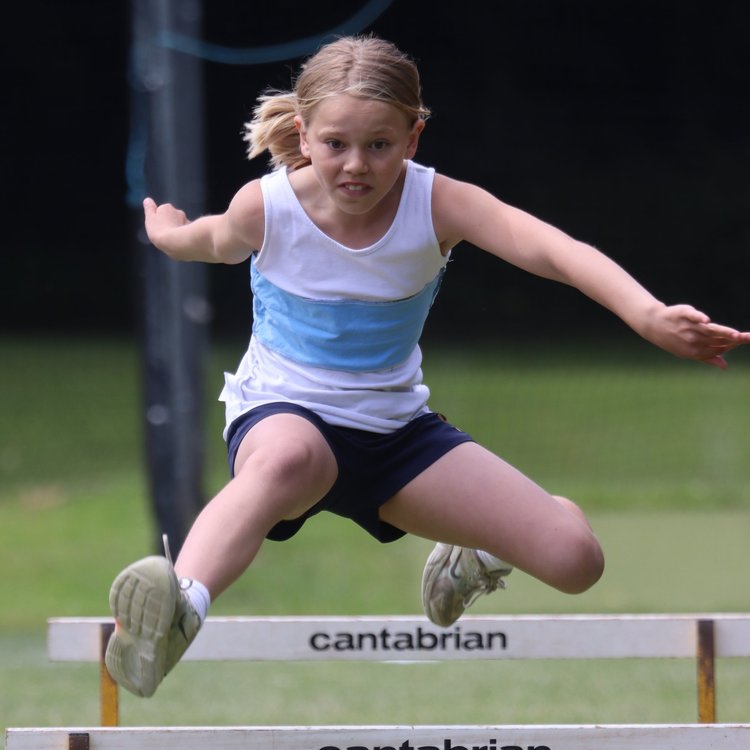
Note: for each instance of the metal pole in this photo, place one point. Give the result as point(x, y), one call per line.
point(168, 98)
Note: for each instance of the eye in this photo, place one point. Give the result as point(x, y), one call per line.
point(379, 145)
point(334, 144)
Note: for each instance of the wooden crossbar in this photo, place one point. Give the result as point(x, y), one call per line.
point(398, 638)
point(533, 737)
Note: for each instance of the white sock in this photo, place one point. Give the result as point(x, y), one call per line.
point(198, 595)
point(490, 561)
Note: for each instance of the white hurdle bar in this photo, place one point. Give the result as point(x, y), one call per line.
point(703, 637)
point(533, 737)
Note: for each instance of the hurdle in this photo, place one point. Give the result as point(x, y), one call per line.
point(701, 637)
point(511, 737)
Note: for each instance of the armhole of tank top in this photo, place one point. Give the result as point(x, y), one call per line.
point(429, 185)
point(265, 188)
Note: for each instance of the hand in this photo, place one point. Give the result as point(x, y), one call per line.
point(688, 333)
point(161, 219)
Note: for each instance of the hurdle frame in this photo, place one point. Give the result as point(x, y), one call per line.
point(703, 637)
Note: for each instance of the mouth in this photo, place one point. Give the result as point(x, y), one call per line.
point(355, 188)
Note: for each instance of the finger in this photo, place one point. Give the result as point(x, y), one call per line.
point(714, 342)
point(149, 205)
point(720, 330)
point(721, 337)
point(717, 361)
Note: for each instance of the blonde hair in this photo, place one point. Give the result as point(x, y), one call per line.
point(363, 66)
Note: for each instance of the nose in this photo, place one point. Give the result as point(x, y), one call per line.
point(356, 162)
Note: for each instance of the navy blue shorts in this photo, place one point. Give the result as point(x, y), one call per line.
point(372, 467)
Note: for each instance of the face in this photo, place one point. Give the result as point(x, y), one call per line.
point(357, 148)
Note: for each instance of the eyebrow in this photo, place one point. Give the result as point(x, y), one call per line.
point(332, 130)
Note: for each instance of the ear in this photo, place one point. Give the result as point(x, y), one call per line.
point(304, 148)
point(417, 128)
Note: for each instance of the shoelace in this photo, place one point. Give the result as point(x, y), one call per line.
point(481, 581)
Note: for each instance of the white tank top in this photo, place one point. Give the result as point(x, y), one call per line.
point(336, 329)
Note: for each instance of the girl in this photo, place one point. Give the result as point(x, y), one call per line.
point(348, 240)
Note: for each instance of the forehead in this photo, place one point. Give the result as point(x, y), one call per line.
point(345, 113)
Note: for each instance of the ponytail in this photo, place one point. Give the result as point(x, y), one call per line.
point(272, 128)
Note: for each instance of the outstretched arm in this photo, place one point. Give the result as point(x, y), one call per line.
point(465, 212)
point(222, 238)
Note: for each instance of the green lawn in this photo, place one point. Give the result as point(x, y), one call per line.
point(654, 449)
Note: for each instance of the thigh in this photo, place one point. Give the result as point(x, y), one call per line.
point(282, 467)
point(472, 498)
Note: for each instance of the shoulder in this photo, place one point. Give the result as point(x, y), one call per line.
point(446, 190)
point(246, 213)
point(453, 207)
point(248, 197)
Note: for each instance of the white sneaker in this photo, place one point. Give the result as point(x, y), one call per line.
point(453, 578)
point(154, 624)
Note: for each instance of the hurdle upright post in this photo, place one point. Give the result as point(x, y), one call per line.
point(109, 698)
point(78, 741)
point(706, 672)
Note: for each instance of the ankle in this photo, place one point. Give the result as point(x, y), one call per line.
point(198, 596)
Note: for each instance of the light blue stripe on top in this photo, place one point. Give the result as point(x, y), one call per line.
point(348, 335)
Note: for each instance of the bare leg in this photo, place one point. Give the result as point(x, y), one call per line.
point(471, 498)
point(283, 467)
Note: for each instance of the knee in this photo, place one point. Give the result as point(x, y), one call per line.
point(581, 559)
point(580, 565)
point(289, 463)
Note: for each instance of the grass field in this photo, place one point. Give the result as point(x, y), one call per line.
point(654, 449)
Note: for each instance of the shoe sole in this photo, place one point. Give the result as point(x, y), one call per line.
point(143, 600)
